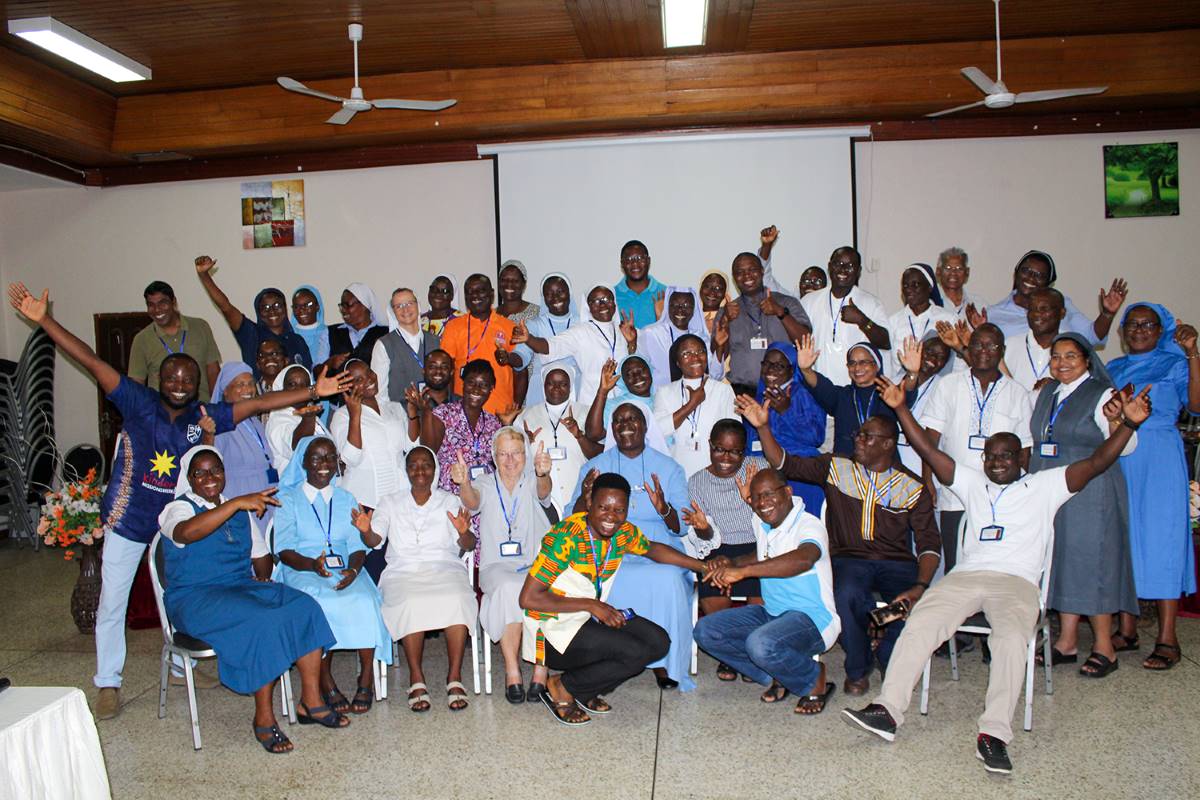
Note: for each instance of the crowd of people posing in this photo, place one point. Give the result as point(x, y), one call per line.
point(794, 456)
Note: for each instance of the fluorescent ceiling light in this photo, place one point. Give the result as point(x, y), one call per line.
point(684, 22)
point(72, 45)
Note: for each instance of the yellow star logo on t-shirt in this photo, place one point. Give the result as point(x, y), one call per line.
point(162, 464)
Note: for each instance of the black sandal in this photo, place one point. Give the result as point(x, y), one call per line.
point(567, 713)
point(775, 693)
point(364, 697)
point(1128, 644)
point(322, 715)
point(813, 704)
point(1056, 658)
point(275, 742)
point(726, 673)
point(1098, 665)
point(336, 700)
point(1157, 662)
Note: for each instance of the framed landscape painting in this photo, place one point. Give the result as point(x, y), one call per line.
point(1141, 180)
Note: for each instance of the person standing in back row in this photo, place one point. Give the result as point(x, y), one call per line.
point(638, 292)
point(168, 333)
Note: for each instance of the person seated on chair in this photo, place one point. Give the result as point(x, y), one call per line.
point(257, 628)
point(872, 503)
point(511, 504)
point(321, 553)
point(425, 586)
point(569, 625)
point(776, 643)
point(1005, 554)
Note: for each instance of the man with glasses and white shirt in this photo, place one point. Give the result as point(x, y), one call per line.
point(952, 276)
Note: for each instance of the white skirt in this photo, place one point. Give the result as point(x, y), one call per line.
point(421, 601)
point(501, 605)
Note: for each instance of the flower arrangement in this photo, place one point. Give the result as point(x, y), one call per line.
point(71, 515)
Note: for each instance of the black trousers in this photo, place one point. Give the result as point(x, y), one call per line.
point(600, 658)
point(948, 522)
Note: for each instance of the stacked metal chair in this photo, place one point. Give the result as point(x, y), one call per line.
point(28, 455)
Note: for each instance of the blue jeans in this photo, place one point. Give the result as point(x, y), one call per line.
point(763, 647)
point(855, 582)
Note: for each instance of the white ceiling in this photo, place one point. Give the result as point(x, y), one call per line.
point(14, 180)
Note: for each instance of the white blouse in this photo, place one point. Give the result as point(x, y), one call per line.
point(833, 337)
point(590, 343)
point(422, 537)
point(281, 425)
point(564, 472)
point(905, 324)
point(690, 443)
point(377, 469)
point(180, 510)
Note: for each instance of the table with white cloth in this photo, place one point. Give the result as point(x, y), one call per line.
point(49, 747)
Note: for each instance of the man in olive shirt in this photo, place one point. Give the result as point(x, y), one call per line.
point(170, 332)
point(871, 552)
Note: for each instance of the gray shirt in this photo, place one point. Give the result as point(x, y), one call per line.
point(745, 363)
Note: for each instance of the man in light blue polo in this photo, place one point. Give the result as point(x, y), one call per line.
point(776, 642)
point(638, 290)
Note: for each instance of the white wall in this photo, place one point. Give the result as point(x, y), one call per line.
point(998, 198)
point(97, 249)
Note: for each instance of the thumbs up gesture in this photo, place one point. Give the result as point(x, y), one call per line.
point(541, 461)
point(768, 305)
point(458, 470)
point(209, 427)
point(852, 314)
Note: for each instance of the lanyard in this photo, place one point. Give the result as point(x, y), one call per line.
point(482, 335)
point(887, 485)
point(1053, 416)
point(922, 392)
point(554, 330)
point(262, 445)
point(982, 404)
point(758, 321)
point(994, 503)
point(835, 317)
point(420, 359)
point(1038, 374)
point(171, 352)
point(636, 487)
point(554, 425)
point(504, 509)
point(862, 415)
point(597, 564)
point(694, 417)
point(913, 328)
point(327, 525)
point(612, 344)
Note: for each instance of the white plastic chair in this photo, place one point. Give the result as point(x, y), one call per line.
point(187, 648)
point(980, 627)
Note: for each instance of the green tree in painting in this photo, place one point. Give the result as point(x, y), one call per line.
point(1155, 162)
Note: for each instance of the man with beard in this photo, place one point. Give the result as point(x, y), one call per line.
point(170, 332)
point(159, 428)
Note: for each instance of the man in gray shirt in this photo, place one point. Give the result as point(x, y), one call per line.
point(756, 318)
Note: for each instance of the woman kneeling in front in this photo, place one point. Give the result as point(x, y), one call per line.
point(257, 628)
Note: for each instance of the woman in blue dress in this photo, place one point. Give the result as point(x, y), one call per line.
point(257, 628)
point(313, 526)
point(659, 592)
point(1164, 356)
point(630, 381)
point(244, 449)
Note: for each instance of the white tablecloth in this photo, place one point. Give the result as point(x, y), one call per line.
point(49, 747)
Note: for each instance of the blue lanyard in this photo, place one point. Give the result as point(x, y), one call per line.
point(612, 345)
point(503, 509)
point(922, 392)
point(553, 330)
point(862, 416)
point(327, 525)
point(262, 445)
point(482, 334)
point(1037, 374)
point(835, 317)
point(878, 494)
point(994, 503)
point(171, 352)
point(420, 359)
point(913, 328)
point(1053, 416)
point(597, 564)
point(694, 417)
point(758, 321)
point(983, 404)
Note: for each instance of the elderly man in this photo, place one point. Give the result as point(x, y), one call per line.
point(775, 642)
point(952, 275)
point(872, 503)
point(168, 333)
point(1006, 546)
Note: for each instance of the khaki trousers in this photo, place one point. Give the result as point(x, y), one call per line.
point(1012, 608)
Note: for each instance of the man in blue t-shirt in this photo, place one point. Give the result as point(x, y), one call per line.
point(160, 426)
point(638, 292)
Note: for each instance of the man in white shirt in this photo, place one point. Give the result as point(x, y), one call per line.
point(1027, 355)
point(1007, 542)
point(952, 275)
point(964, 409)
point(774, 643)
point(842, 315)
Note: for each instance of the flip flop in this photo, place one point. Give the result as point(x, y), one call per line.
point(776, 692)
point(1056, 658)
point(562, 710)
point(276, 739)
point(821, 699)
point(597, 705)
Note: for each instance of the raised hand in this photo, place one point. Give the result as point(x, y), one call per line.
point(628, 330)
point(769, 305)
point(892, 393)
point(458, 470)
point(416, 400)
point(1112, 300)
point(655, 493)
point(696, 396)
point(949, 335)
point(755, 413)
point(1137, 408)
point(361, 519)
point(520, 333)
point(1112, 407)
point(208, 425)
point(806, 355)
point(743, 484)
point(257, 502)
point(569, 422)
point(541, 461)
point(608, 376)
point(508, 413)
point(695, 517)
point(585, 491)
point(910, 355)
point(328, 385)
point(659, 302)
point(313, 410)
point(30, 307)
point(461, 521)
point(720, 334)
point(733, 309)
point(530, 436)
point(852, 314)
point(975, 316)
point(205, 264)
point(768, 235)
point(1185, 337)
point(354, 399)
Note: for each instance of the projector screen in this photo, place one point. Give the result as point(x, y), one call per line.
point(696, 201)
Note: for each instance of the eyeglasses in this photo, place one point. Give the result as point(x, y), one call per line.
point(1144, 325)
point(276, 306)
point(985, 348)
point(721, 451)
point(441, 290)
point(634, 259)
point(948, 268)
point(402, 306)
point(351, 304)
point(603, 300)
point(872, 437)
point(306, 305)
point(1032, 272)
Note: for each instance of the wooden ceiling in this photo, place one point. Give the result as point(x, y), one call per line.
point(535, 68)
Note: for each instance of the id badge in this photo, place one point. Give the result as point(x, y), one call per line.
point(334, 562)
point(991, 533)
point(756, 446)
point(557, 453)
point(420, 386)
point(477, 472)
point(510, 549)
point(1048, 450)
point(976, 442)
point(758, 343)
point(272, 476)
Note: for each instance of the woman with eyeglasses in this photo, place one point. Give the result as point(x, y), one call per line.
point(308, 320)
point(443, 303)
point(1092, 574)
point(398, 359)
point(1162, 354)
point(363, 323)
point(720, 522)
point(691, 404)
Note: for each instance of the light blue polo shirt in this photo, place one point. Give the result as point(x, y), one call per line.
point(810, 592)
point(641, 304)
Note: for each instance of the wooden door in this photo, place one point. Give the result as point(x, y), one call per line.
point(114, 339)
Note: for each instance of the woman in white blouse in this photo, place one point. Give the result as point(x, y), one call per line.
point(287, 426)
point(921, 313)
point(371, 434)
point(425, 586)
point(511, 505)
point(691, 405)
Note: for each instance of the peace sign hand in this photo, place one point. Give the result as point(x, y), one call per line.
point(628, 330)
point(569, 422)
point(530, 436)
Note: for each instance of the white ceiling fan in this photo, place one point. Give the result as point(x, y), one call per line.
point(355, 103)
point(998, 95)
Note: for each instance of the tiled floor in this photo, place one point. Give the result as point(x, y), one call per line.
point(1133, 734)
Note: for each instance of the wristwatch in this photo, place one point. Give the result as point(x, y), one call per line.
point(785, 312)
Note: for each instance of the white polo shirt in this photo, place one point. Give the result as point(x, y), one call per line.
point(1027, 361)
point(905, 324)
point(810, 592)
point(832, 336)
point(958, 410)
point(1023, 509)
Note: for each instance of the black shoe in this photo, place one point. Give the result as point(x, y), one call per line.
point(874, 718)
point(534, 691)
point(962, 644)
point(515, 694)
point(666, 682)
point(987, 651)
point(994, 754)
